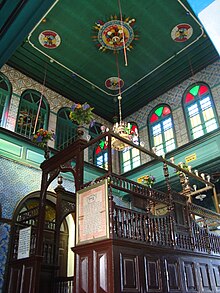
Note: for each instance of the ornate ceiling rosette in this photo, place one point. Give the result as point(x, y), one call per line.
point(49, 39)
point(181, 32)
point(114, 83)
point(115, 34)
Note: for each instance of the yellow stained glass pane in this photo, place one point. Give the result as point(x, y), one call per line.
point(168, 134)
point(208, 114)
point(158, 140)
point(195, 121)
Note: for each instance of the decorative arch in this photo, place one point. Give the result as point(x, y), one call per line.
point(5, 96)
point(31, 101)
point(56, 251)
point(66, 130)
point(199, 109)
point(161, 129)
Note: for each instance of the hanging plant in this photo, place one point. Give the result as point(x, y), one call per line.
point(81, 114)
point(42, 136)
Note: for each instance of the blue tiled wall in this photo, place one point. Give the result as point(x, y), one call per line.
point(4, 240)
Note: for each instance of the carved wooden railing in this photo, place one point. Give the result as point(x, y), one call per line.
point(160, 231)
point(133, 225)
point(64, 285)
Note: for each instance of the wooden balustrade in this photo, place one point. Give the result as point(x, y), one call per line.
point(64, 284)
point(159, 231)
point(163, 231)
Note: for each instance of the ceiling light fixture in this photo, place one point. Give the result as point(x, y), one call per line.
point(124, 130)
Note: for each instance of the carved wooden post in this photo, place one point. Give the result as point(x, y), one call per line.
point(207, 240)
point(59, 190)
point(111, 210)
point(148, 222)
point(170, 204)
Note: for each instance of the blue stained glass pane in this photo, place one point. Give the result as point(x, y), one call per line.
point(193, 110)
point(205, 103)
point(156, 129)
point(167, 124)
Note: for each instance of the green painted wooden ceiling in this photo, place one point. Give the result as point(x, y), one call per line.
point(79, 69)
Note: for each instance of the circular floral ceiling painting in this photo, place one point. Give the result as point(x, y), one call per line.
point(115, 34)
point(49, 39)
point(181, 32)
point(114, 83)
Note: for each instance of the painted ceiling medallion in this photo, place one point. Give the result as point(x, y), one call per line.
point(114, 83)
point(181, 32)
point(49, 39)
point(113, 34)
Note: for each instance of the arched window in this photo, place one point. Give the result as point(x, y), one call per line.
point(66, 130)
point(199, 110)
point(101, 148)
point(161, 129)
point(32, 101)
point(131, 156)
point(5, 94)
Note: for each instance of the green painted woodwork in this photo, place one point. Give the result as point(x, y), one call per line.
point(18, 22)
point(155, 64)
point(5, 94)
point(11, 148)
point(33, 156)
point(199, 147)
point(20, 150)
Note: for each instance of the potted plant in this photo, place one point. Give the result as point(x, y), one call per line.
point(42, 136)
point(81, 113)
point(147, 180)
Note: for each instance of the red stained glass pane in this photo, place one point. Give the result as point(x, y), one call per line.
point(203, 90)
point(166, 111)
point(189, 98)
point(153, 118)
point(98, 150)
point(134, 129)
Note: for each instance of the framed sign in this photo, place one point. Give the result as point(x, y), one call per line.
point(92, 217)
point(24, 243)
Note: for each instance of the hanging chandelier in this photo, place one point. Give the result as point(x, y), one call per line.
point(124, 130)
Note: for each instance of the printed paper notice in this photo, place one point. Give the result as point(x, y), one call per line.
point(24, 243)
point(92, 214)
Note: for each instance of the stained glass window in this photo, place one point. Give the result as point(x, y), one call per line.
point(65, 129)
point(101, 149)
point(5, 94)
point(161, 130)
point(31, 101)
point(199, 110)
point(131, 156)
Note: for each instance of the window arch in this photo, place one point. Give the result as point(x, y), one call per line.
point(161, 129)
point(66, 130)
point(199, 110)
point(131, 156)
point(28, 112)
point(5, 95)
